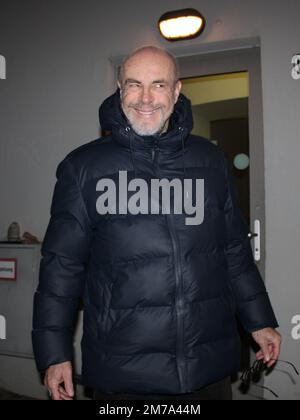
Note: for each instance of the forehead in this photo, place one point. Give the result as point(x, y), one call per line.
point(149, 66)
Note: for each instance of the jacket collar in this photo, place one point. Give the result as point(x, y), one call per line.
point(113, 119)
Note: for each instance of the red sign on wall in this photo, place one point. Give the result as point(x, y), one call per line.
point(8, 269)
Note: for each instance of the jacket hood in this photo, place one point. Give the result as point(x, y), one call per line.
point(111, 116)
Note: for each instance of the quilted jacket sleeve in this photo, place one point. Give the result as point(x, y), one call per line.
point(254, 309)
point(65, 252)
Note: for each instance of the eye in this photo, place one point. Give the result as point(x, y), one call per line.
point(159, 85)
point(133, 85)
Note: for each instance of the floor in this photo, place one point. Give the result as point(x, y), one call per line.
point(5, 395)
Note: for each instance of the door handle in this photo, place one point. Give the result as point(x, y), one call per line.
point(252, 235)
point(256, 236)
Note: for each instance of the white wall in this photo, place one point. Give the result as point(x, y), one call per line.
point(58, 73)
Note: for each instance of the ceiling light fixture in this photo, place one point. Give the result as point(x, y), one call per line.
point(181, 24)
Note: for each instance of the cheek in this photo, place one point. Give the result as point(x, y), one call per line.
point(128, 98)
point(169, 104)
point(169, 100)
point(125, 100)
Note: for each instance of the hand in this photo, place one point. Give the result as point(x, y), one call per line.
point(269, 341)
point(56, 375)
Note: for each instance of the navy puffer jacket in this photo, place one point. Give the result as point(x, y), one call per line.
point(160, 296)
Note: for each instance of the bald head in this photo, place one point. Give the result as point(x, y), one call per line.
point(149, 89)
point(148, 53)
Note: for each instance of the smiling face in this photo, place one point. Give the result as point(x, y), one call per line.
point(149, 91)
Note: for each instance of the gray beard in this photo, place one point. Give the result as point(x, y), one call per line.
point(144, 131)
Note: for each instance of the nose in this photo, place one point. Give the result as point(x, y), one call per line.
point(146, 95)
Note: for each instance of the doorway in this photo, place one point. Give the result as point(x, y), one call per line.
point(225, 90)
point(220, 113)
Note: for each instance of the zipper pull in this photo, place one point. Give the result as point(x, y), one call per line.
point(154, 149)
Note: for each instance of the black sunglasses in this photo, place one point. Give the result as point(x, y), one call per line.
point(254, 373)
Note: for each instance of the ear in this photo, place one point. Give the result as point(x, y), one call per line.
point(177, 90)
point(120, 89)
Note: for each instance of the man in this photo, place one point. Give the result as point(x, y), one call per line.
point(160, 294)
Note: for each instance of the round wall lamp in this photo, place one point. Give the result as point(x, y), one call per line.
point(241, 161)
point(181, 24)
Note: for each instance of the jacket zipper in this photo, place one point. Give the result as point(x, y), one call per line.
point(179, 305)
point(154, 154)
